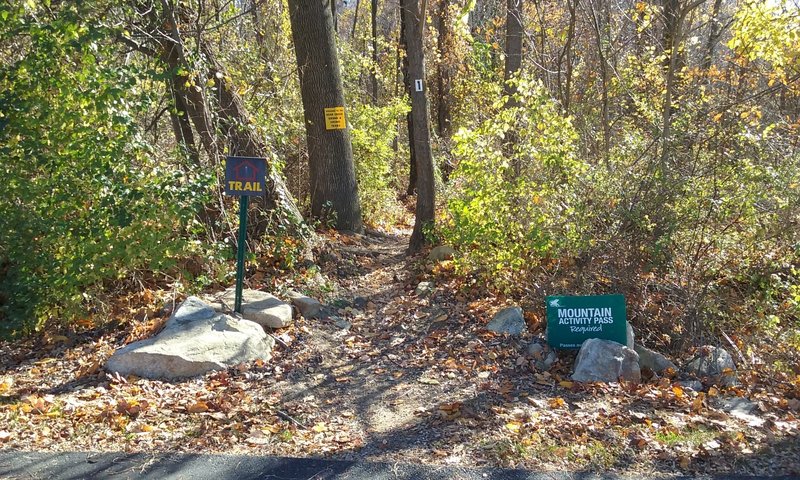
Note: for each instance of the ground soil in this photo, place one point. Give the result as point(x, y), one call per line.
point(392, 373)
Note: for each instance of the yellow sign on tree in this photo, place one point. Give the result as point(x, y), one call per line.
point(334, 118)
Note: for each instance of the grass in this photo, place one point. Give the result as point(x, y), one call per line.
point(690, 437)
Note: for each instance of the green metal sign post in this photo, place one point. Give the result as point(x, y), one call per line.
point(240, 249)
point(244, 177)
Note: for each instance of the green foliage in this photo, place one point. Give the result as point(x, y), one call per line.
point(373, 132)
point(84, 201)
point(511, 199)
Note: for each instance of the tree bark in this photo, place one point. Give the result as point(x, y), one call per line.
point(513, 49)
point(444, 79)
point(715, 30)
point(374, 72)
point(419, 110)
point(412, 170)
point(333, 181)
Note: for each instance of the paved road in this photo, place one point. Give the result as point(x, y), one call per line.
point(81, 465)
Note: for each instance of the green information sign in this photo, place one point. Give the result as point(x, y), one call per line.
point(571, 320)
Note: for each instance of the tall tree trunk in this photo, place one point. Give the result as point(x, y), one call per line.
point(330, 153)
point(412, 170)
point(602, 39)
point(419, 110)
point(181, 125)
point(444, 79)
point(374, 72)
point(714, 32)
point(355, 19)
point(513, 49)
point(513, 52)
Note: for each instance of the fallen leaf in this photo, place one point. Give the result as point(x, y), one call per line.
point(514, 426)
point(4, 436)
point(197, 407)
point(320, 427)
point(428, 381)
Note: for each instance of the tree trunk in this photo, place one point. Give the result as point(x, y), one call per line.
point(330, 154)
point(513, 52)
point(374, 72)
point(715, 30)
point(412, 170)
point(444, 78)
point(419, 110)
point(513, 49)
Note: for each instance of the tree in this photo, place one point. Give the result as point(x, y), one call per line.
point(421, 144)
point(513, 49)
point(330, 153)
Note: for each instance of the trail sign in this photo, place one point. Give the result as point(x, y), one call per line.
point(571, 320)
point(334, 118)
point(244, 177)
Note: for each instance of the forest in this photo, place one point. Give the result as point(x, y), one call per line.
point(428, 163)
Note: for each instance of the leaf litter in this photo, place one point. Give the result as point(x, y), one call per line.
point(414, 377)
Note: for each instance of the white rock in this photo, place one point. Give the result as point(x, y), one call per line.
point(508, 320)
point(713, 364)
point(606, 361)
point(307, 306)
point(653, 360)
point(423, 288)
point(194, 341)
point(257, 306)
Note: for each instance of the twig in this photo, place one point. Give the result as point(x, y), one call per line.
point(283, 344)
point(736, 348)
point(290, 418)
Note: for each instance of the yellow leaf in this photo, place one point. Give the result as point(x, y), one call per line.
point(319, 427)
point(713, 392)
point(566, 383)
point(197, 407)
point(6, 384)
point(557, 402)
point(513, 426)
point(678, 391)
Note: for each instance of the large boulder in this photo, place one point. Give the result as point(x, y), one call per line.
point(713, 365)
point(653, 360)
point(257, 306)
point(195, 340)
point(508, 320)
point(606, 361)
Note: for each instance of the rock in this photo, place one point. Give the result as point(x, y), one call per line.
point(550, 359)
point(713, 364)
point(629, 336)
point(307, 306)
point(508, 320)
point(360, 303)
point(695, 385)
point(195, 340)
point(441, 253)
point(653, 360)
point(742, 409)
point(423, 288)
point(341, 323)
point(606, 361)
point(257, 306)
point(535, 349)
